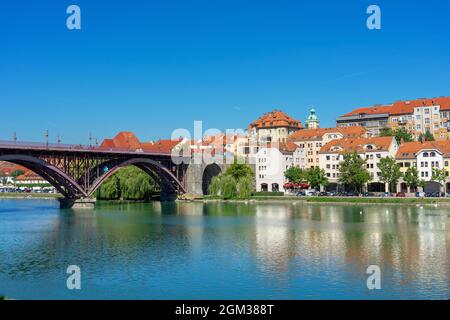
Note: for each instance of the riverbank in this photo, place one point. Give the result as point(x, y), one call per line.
point(337, 200)
point(21, 195)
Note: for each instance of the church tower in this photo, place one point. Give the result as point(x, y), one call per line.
point(312, 122)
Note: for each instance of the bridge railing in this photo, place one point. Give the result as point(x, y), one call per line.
point(69, 147)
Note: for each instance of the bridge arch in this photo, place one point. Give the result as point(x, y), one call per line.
point(209, 172)
point(167, 181)
point(55, 176)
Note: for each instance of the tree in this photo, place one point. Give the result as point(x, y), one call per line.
point(316, 177)
point(427, 136)
point(245, 188)
point(235, 183)
point(353, 172)
point(295, 174)
point(239, 170)
point(129, 183)
point(401, 134)
point(389, 171)
point(15, 174)
point(215, 186)
point(411, 178)
point(229, 187)
point(439, 176)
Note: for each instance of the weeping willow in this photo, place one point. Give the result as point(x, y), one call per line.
point(130, 183)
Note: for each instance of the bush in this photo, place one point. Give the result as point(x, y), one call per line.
point(268, 194)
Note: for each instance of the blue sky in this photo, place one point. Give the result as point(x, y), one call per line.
point(154, 66)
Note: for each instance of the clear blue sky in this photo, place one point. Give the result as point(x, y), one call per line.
point(154, 66)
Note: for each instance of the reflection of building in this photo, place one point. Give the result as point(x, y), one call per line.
point(274, 126)
point(370, 149)
point(416, 116)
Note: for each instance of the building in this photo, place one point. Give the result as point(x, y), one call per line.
point(373, 149)
point(310, 141)
point(425, 156)
point(312, 122)
point(416, 116)
point(274, 126)
point(271, 164)
point(128, 141)
point(30, 178)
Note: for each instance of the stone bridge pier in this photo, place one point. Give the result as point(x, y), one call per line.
point(199, 176)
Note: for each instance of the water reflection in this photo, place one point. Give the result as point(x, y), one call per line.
point(224, 250)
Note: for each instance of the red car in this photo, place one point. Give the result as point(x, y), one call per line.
point(400, 195)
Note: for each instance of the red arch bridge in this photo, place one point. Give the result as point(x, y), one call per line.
point(77, 171)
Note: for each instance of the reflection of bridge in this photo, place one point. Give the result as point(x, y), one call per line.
point(78, 171)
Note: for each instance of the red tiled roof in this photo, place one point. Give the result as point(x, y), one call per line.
point(275, 118)
point(351, 145)
point(129, 141)
point(409, 150)
point(402, 107)
point(316, 134)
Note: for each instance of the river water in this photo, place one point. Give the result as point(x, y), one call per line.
point(224, 251)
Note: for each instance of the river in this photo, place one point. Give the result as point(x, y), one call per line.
point(224, 251)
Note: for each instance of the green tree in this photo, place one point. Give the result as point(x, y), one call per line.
point(389, 171)
point(401, 134)
point(229, 187)
point(439, 176)
point(353, 172)
point(15, 174)
point(129, 183)
point(427, 136)
point(411, 178)
point(239, 170)
point(245, 188)
point(295, 175)
point(316, 177)
point(215, 186)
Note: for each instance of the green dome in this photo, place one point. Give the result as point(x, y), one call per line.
point(312, 116)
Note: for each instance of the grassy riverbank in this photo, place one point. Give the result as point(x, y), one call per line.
point(21, 195)
point(358, 200)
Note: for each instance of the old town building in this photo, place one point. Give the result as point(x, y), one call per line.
point(416, 116)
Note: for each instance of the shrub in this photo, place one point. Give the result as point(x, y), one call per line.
point(268, 194)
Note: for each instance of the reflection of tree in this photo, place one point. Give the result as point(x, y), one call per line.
point(281, 243)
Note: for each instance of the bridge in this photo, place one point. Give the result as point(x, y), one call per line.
point(77, 171)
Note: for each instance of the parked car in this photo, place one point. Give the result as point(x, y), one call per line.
point(301, 193)
point(400, 195)
point(420, 194)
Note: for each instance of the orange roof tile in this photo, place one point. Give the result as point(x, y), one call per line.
point(317, 134)
point(349, 145)
point(409, 150)
point(275, 118)
point(402, 107)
